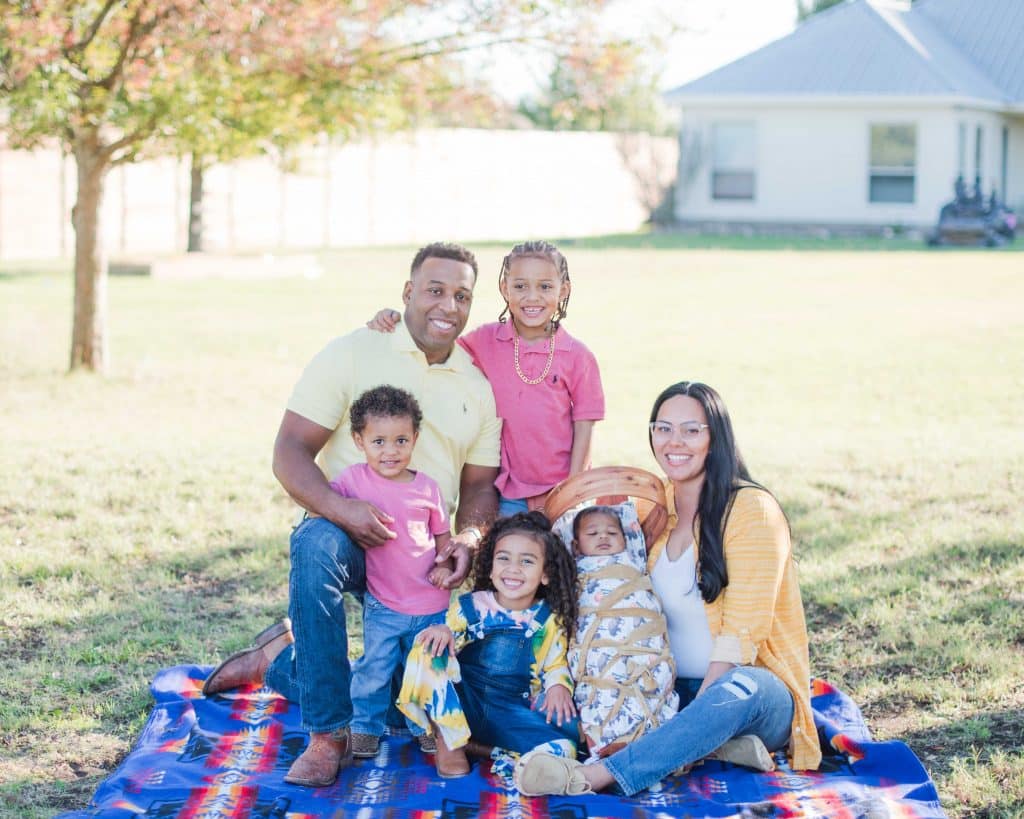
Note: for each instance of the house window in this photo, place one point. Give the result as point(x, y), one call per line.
point(733, 174)
point(893, 159)
point(961, 150)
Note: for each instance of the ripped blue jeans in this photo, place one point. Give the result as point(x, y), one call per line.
point(744, 700)
point(315, 671)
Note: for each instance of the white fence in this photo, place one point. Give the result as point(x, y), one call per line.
point(457, 184)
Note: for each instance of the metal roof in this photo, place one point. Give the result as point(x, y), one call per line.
point(869, 48)
point(989, 33)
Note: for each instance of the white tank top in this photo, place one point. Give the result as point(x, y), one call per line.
point(675, 582)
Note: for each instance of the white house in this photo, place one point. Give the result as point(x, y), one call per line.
point(862, 116)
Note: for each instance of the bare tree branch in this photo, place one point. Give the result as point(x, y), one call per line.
point(128, 140)
point(92, 30)
point(137, 31)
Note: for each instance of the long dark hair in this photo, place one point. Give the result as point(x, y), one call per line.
point(724, 473)
point(560, 591)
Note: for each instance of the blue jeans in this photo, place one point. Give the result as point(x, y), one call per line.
point(744, 700)
point(387, 637)
point(687, 688)
point(495, 695)
point(511, 506)
point(315, 672)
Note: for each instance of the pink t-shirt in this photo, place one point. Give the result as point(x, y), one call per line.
point(396, 572)
point(537, 419)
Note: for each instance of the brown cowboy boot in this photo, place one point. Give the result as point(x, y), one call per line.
point(478, 749)
point(247, 667)
point(319, 764)
point(451, 762)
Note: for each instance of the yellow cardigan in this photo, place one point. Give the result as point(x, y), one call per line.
point(758, 619)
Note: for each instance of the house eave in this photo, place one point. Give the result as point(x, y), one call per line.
point(836, 101)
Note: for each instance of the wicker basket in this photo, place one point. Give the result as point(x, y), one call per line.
point(611, 485)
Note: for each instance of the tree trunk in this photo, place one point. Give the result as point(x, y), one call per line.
point(195, 206)
point(89, 331)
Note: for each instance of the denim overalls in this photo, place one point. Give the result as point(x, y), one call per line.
point(495, 689)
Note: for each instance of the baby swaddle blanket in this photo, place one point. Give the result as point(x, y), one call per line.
point(619, 656)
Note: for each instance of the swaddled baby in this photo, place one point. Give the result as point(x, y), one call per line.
point(620, 656)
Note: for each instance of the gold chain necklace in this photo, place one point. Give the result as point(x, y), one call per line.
point(547, 367)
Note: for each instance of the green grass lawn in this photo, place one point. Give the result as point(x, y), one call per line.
point(878, 394)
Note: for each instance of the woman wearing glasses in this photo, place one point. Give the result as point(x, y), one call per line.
point(725, 573)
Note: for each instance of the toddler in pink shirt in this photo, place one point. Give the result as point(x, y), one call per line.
point(405, 584)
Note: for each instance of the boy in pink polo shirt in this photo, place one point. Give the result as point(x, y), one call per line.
point(405, 585)
point(547, 385)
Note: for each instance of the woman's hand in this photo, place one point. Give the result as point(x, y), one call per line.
point(558, 705)
point(385, 321)
point(715, 670)
point(436, 639)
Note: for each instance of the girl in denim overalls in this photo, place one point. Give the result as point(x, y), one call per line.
point(510, 685)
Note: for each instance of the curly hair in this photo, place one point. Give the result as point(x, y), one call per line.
point(385, 401)
point(538, 250)
point(443, 250)
point(560, 590)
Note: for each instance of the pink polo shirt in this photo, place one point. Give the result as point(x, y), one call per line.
point(396, 571)
point(536, 433)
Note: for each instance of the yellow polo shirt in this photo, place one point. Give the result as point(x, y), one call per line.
point(460, 424)
point(758, 619)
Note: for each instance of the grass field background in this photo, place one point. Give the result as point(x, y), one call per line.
point(878, 394)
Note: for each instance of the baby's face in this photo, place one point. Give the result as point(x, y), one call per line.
point(600, 534)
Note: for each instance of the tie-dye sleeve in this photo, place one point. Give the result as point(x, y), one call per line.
point(550, 648)
point(428, 695)
point(456, 621)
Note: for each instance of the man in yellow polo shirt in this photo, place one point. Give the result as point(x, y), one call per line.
point(458, 447)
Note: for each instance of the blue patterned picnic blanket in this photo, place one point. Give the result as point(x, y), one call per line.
point(225, 758)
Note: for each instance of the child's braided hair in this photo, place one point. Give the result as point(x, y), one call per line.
point(560, 591)
point(538, 250)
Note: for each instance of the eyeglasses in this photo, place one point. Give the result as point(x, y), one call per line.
point(688, 431)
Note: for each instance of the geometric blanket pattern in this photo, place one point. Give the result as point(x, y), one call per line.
point(225, 758)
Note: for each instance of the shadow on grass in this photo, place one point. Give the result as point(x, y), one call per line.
point(28, 797)
point(958, 599)
point(984, 732)
point(216, 598)
point(943, 565)
point(811, 541)
point(986, 742)
point(74, 684)
point(215, 606)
